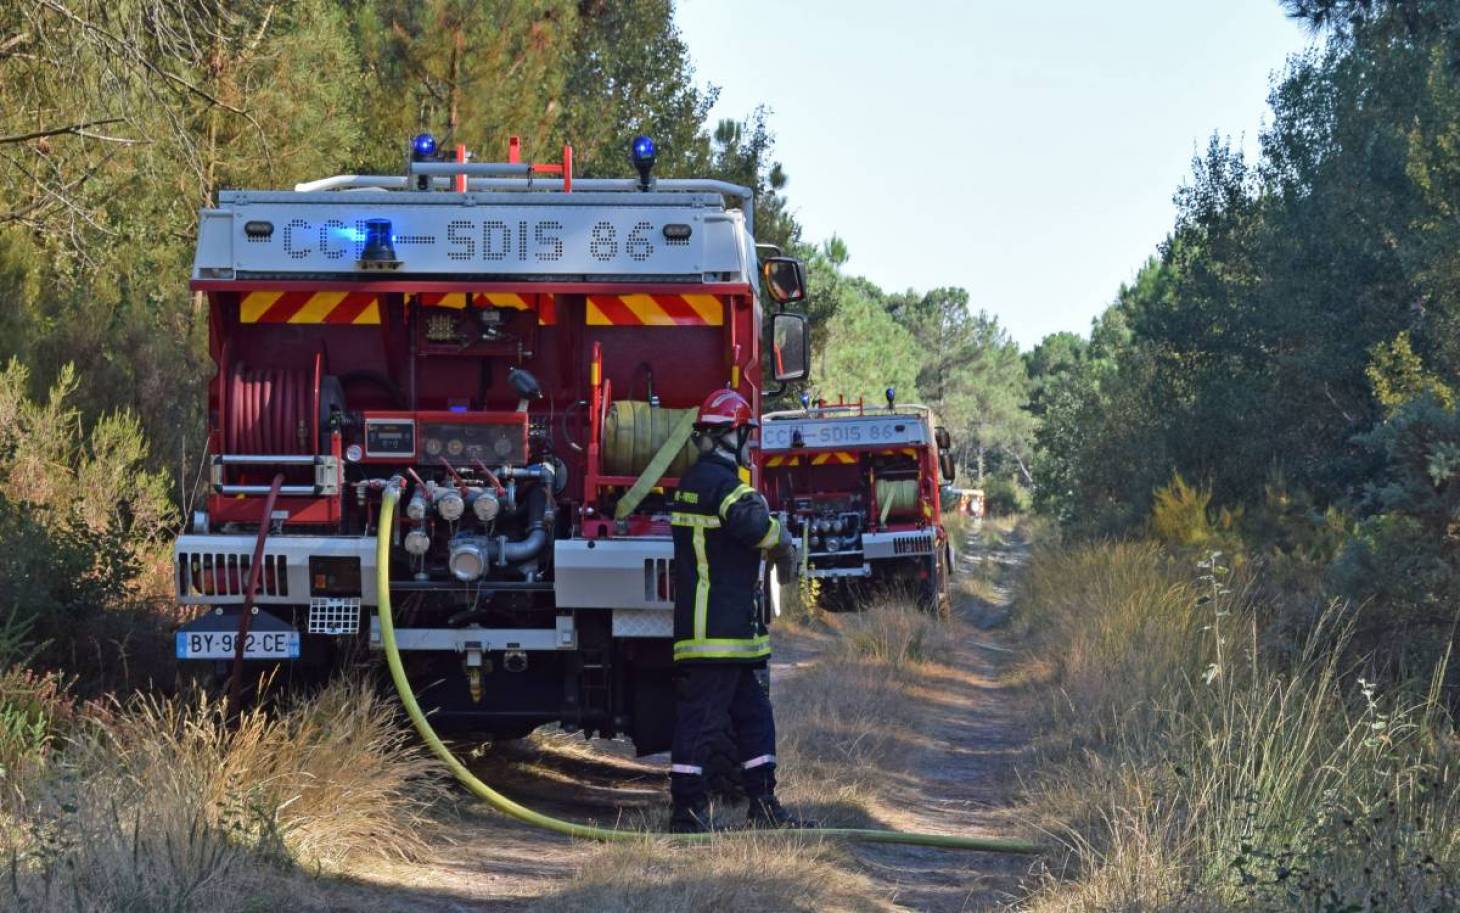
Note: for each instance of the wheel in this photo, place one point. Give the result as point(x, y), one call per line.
point(935, 596)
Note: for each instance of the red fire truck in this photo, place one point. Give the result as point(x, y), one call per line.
point(861, 487)
point(521, 352)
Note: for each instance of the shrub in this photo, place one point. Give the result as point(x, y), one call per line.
point(55, 578)
point(1004, 496)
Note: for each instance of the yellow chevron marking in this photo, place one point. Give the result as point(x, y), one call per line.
point(506, 300)
point(647, 310)
point(255, 304)
point(708, 307)
point(370, 316)
point(318, 307)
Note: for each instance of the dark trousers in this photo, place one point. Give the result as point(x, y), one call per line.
point(713, 699)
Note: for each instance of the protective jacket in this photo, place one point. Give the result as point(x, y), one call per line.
point(720, 527)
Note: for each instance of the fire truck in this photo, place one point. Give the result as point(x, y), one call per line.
point(519, 352)
point(861, 485)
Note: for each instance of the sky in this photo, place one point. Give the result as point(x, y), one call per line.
point(1026, 151)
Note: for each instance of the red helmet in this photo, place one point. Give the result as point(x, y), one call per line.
point(726, 409)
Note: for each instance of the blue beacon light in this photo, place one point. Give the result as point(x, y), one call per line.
point(423, 146)
point(642, 154)
point(379, 249)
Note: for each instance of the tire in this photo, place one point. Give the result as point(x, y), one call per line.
point(935, 596)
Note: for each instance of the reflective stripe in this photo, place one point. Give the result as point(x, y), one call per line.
point(681, 519)
point(690, 768)
point(757, 762)
point(740, 491)
point(723, 648)
point(772, 535)
point(702, 584)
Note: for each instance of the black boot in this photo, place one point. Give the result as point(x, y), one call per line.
point(690, 819)
point(767, 811)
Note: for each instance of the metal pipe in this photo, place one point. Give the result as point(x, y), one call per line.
point(482, 169)
point(245, 615)
point(440, 173)
point(262, 459)
point(290, 490)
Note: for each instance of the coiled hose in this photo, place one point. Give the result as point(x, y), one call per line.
point(585, 831)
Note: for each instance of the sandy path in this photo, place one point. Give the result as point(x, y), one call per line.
point(963, 776)
point(959, 784)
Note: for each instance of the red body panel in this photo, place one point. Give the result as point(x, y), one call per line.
point(393, 368)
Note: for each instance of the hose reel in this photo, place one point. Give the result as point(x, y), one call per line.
point(897, 497)
point(633, 432)
point(277, 411)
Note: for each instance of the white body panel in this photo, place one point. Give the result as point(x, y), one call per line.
point(498, 234)
point(843, 431)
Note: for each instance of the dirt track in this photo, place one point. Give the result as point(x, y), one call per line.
point(959, 783)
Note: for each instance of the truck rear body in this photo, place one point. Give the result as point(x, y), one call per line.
point(512, 352)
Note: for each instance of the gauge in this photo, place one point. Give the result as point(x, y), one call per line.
point(433, 446)
point(475, 451)
point(454, 447)
point(503, 446)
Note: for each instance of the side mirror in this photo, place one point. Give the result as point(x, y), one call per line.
point(945, 441)
point(945, 465)
point(790, 347)
point(785, 279)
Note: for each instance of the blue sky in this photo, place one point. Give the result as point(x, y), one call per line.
point(1027, 151)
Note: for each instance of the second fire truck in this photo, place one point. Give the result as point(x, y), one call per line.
point(861, 486)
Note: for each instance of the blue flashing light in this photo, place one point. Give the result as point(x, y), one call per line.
point(643, 151)
point(456, 408)
point(379, 242)
point(805, 400)
point(424, 145)
point(891, 397)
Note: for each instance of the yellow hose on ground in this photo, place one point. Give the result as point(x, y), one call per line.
point(586, 831)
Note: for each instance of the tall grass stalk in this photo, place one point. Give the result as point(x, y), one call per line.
point(1197, 769)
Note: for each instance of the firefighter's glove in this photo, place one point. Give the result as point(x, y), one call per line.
point(784, 545)
point(783, 553)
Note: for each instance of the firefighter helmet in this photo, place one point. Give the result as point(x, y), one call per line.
point(725, 410)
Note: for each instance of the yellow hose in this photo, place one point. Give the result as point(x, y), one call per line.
point(585, 831)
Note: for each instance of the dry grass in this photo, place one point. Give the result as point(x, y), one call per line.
point(1190, 768)
point(163, 806)
point(846, 724)
point(742, 873)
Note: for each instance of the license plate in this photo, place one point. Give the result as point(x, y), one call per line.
point(220, 645)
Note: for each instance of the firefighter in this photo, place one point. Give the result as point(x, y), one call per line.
point(721, 528)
